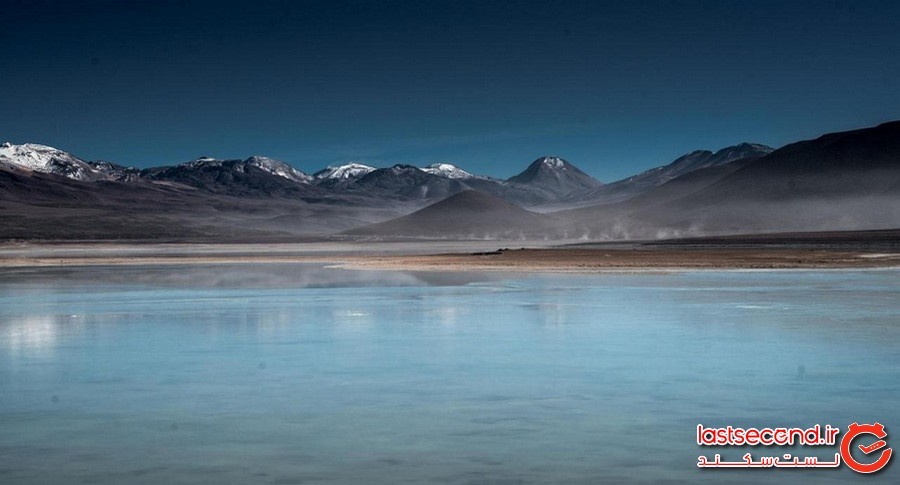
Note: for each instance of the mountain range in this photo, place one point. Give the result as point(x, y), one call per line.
point(846, 180)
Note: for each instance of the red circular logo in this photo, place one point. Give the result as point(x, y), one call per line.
point(876, 430)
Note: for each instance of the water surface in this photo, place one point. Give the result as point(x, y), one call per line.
point(304, 374)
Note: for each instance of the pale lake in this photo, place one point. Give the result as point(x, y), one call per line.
point(299, 373)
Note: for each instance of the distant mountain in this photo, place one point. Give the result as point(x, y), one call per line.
point(554, 178)
point(648, 214)
point(35, 205)
point(862, 162)
point(406, 182)
point(682, 165)
point(254, 177)
point(45, 159)
point(466, 215)
point(696, 160)
point(840, 181)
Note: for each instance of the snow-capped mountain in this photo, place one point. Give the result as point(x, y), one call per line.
point(343, 173)
point(449, 171)
point(45, 159)
point(554, 176)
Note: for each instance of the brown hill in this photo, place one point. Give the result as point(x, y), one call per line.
point(466, 215)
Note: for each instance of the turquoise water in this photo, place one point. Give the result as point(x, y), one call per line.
point(302, 374)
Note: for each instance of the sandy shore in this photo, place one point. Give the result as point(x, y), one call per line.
point(106, 253)
point(633, 260)
point(456, 256)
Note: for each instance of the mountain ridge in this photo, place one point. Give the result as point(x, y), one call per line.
point(548, 179)
point(839, 181)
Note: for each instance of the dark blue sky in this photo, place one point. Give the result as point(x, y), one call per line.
point(613, 87)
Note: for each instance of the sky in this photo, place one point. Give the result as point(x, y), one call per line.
point(613, 87)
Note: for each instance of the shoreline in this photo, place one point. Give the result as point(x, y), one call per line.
point(455, 256)
point(558, 260)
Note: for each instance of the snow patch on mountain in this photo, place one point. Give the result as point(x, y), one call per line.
point(449, 171)
point(347, 171)
point(279, 168)
point(554, 162)
point(203, 162)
